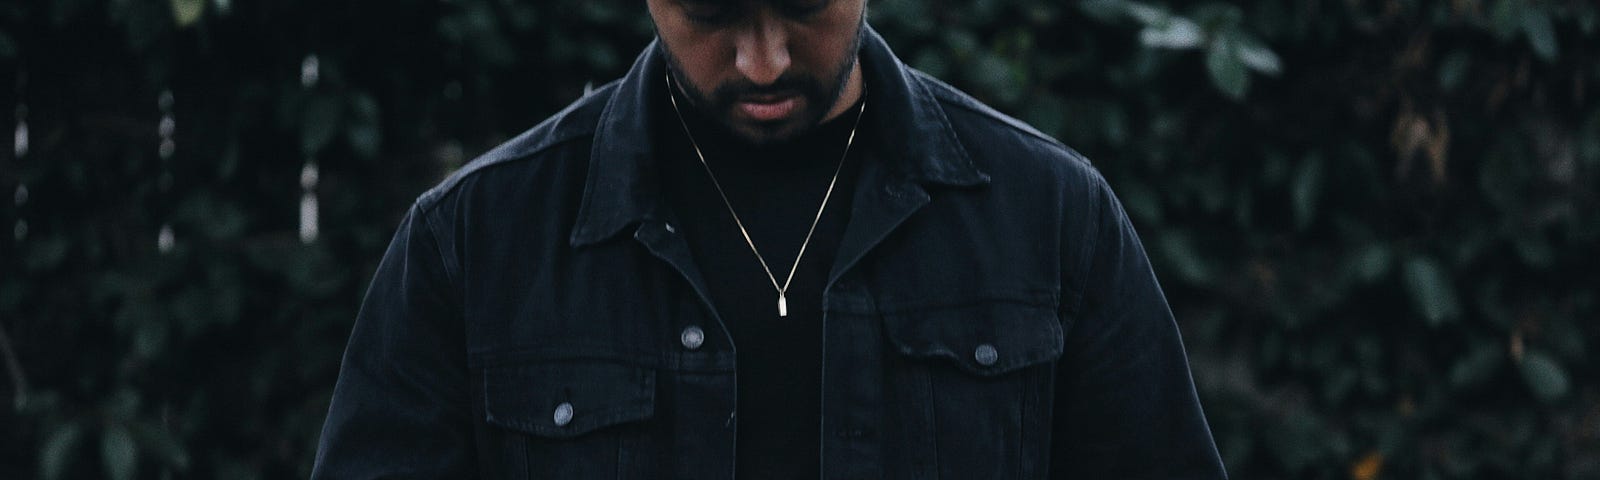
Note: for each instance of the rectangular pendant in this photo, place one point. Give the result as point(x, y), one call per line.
point(783, 306)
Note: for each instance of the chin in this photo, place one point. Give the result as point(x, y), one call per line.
point(764, 134)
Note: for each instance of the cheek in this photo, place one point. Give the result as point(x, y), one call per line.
point(704, 58)
point(824, 44)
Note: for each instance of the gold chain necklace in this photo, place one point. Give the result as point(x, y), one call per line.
point(783, 290)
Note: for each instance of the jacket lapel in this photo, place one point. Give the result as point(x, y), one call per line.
point(915, 146)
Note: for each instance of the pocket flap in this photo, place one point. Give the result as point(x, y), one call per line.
point(565, 399)
point(984, 339)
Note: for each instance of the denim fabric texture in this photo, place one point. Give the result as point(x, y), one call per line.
point(990, 314)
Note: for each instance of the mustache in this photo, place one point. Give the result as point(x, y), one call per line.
point(788, 84)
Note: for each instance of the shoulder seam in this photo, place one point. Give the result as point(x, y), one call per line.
point(950, 96)
point(430, 198)
point(1097, 200)
point(504, 153)
point(452, 269)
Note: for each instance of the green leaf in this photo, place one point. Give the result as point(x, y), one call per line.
point(122, 405)
point(1535, 252)
point(1589, 140)
point(1182, 256)
point(149, 339)
point(1258, 57)
point(1566, 339)
point(1176, 33)
point(119, 453)
point(46, 253)
point(1305, 190)
point(1146, 14)
point(483, 34)
point(994, 77)
point(1536, 24)
point(1431, 291)
point(8, 48)
point(1372, 262)
point(1545, 376)
point(186, 12)
point(1228, 73)
point(933, 61)
point(228, 165)
point(1453, 70)
point(215, 217)
point(1477, 366)
point(363, 133)
point(163, 443)
point(1046, 112)
point(1274, 169)
point(1505, 18)
point(1244, 201)
point(1114, 124)
point(1141, 202)
point(1338, 385)
point(57, 451)
point(599, 12)
point(960, 43)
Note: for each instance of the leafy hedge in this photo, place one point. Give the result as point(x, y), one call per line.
point(1376, 220)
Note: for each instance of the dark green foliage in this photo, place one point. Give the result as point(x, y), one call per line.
point(1377, 221)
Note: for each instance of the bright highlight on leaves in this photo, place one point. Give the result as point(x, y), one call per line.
point(1541, 34)
point(57, 451)
point(1545, 376)
point(1431, 291)
point(1227, 70)
point(118, 453)
point(1258, 57)
point(186, 12)
point(1230, 52)
point(1175, 33)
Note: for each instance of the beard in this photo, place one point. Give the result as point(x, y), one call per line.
point(820, 93)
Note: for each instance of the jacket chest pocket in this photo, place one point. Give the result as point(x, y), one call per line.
point(981, 379)
point(570, 419)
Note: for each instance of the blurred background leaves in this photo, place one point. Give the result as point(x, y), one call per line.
point(1376, 219)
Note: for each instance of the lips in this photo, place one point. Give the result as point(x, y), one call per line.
point(768, 108)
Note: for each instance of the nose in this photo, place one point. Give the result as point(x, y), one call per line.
point(763, 49)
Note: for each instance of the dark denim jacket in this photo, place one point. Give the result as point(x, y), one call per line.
point(991, 314)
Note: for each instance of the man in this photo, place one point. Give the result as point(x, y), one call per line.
point(770, 251)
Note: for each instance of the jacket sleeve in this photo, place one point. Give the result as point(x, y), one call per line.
point(400, 407)
point(1125, 403)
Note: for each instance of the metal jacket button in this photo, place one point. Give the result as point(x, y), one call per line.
point(692, 337)
point(563, 414)
point(986, 355)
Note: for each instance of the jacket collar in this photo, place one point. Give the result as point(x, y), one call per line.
point(915, 140)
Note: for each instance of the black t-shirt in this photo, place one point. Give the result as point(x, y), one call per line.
point(776, 191)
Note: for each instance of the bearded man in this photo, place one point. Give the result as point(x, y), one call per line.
point(770, 251)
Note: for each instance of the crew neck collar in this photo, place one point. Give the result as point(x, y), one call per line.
point(915, 139)
point(724, 149)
